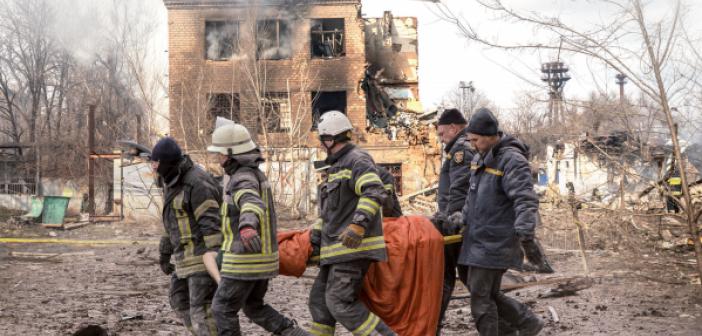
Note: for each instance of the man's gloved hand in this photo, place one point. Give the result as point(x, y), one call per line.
point(454, 224)
point(352, 236)
point(165, 262)
point(315, 250)
point(250, 239)
point(219, 259)
point(534, 254)
point(438, 219)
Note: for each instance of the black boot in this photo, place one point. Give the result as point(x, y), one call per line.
point(531, 326)
point(382, 329)
point(293, 330)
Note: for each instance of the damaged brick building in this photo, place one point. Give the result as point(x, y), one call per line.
point(276, 65)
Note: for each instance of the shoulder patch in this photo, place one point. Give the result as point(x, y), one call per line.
point(458, 157)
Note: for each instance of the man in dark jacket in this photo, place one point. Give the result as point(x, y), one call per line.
point(351, 233)
point(453, 188)
point(250, 247)
point(501, 212)
point(192, 234)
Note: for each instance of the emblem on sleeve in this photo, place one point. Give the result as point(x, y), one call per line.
point(458, 156)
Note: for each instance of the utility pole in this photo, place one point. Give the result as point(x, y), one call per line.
point(470, 89)
point(555, 75)
point(621, 80)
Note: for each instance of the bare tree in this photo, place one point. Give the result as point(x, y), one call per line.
point(649, 52)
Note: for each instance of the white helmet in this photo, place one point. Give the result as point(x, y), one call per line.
point(333, 123)
point(231, 139)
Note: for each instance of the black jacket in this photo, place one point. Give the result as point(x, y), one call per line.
point(191, 218)
point(251, 205)
point(501, 206)
point(352, 193)
point(454, 176)
point(391, 207)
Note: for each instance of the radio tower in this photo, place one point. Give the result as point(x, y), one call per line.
point(555, 75)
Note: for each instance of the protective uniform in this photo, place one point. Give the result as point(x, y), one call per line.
point(453, 188)
point(246, 266)
point(191, 222)
point(500, 212)
point(391, 206)
point(350, 201)
point(675, 188)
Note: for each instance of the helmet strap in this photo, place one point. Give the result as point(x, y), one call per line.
point(329, 148)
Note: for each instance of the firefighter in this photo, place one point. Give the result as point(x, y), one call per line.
point(453, 187)
point(391, 207)
point(350, 235)
point(675, 189)
point(250, 248)
point(192, 235)
point(501, 211)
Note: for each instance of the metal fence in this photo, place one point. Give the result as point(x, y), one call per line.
point(21, 188)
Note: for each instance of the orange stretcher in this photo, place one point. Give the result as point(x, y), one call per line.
point(405, 291)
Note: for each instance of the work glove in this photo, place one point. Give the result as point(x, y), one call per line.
point(315, 250)
point(454, 224)
point(165, 262)
point(534, 254)
point(352, 236)
point(250, 239)
point(438, 220)
point(219, 259)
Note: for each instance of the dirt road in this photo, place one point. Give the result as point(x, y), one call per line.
point(121, 288)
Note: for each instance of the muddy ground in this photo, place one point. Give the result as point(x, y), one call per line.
point(637, 291)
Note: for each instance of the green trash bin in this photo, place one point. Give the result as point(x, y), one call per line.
point(54, 209)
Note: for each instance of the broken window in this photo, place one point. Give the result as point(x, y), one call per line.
point(395, 170)
point(273, 40)
point(221, 40)
point(327, 101)
point(327, 38)
point(225, 105)
point(276, 112)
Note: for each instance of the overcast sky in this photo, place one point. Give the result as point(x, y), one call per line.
point(445, 57)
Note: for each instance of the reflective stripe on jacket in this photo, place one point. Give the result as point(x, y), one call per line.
point(252, 205)
point(352, 193)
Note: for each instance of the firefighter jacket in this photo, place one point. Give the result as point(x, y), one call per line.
point(190, 218)
point(675, 183)
point(454, 176)
point(352, 193)
point(251, 205)
point(501, 206)
point(391, 207)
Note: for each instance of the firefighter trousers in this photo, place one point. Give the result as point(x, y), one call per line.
point(191, 298)
point(335, 297)
point(232, 295)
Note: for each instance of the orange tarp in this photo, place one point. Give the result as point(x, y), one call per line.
point(405, 291)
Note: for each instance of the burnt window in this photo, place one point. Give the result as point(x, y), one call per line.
point(327, 101)
point(221, 40)
point(225, 105)
point(327, 38)
point(273, 40)
point(276, 112)
point(395, 170)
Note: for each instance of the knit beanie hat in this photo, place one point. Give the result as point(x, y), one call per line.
point(166, 150)
point(483, 122)
point(452, 116)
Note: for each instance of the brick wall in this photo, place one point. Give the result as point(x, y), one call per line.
point(192, 77)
